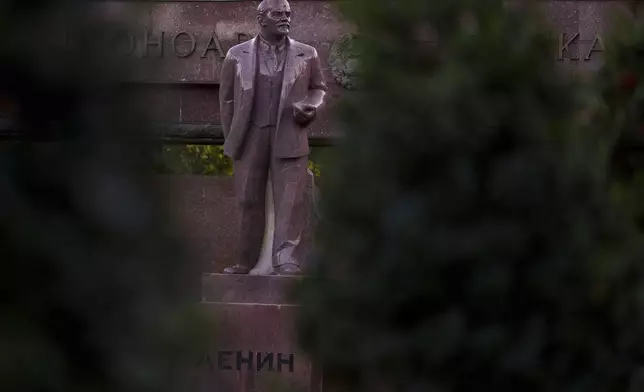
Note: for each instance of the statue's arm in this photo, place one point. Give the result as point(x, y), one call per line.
point(227, 93)
point(317, 84)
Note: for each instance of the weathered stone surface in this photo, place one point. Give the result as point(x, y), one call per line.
point(187, 90)
point(272, 290)
point(199, 104)
point(181, 87)
point(185, 24)
point(189, 27)
point(206, 205)
point(563, 18)
point(208, 217)
point(254, 348)
point(595, 20)
point(177, 81)
point(581, 22)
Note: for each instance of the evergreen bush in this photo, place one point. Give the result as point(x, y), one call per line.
point(469, 240)
point(94, 290)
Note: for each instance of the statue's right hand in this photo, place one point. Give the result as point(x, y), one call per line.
point(303, 113)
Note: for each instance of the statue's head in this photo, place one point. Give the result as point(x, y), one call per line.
point(274, 17)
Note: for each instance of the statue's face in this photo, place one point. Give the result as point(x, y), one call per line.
point(277, 21)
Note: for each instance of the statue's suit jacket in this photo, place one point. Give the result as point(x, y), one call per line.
point(303, 79)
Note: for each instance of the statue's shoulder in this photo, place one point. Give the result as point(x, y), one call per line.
point(307, 50)
point(238, 50)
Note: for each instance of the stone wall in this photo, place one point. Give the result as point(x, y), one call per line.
point(207, 217)
point(178, 49)
point(184, 89)
point(587, 24)
point(178, 46)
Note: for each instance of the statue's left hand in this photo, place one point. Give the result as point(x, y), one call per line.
point(304, 113)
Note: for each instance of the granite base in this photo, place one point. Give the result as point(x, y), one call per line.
point(254, 347)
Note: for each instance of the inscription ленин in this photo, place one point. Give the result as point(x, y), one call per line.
point(251, 361)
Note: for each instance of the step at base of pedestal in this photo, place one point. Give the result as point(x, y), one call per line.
point(248, 289)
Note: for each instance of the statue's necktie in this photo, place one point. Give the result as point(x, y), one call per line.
point(272, 60)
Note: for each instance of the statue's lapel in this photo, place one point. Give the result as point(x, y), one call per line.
point(249, 67)
point(293, 66)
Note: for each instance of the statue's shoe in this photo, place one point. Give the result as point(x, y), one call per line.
point(236, 269)
point(287, 269)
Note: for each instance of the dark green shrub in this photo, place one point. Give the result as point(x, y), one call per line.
point(469, 242)
point(95, 294)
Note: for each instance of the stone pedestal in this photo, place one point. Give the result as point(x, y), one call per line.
point(254, 347)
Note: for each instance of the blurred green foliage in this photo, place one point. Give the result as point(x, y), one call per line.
point(470, 240)
point(96, 294)
point(204, 160)
point(618, 115)
point(207, 160)
point(471, 226)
